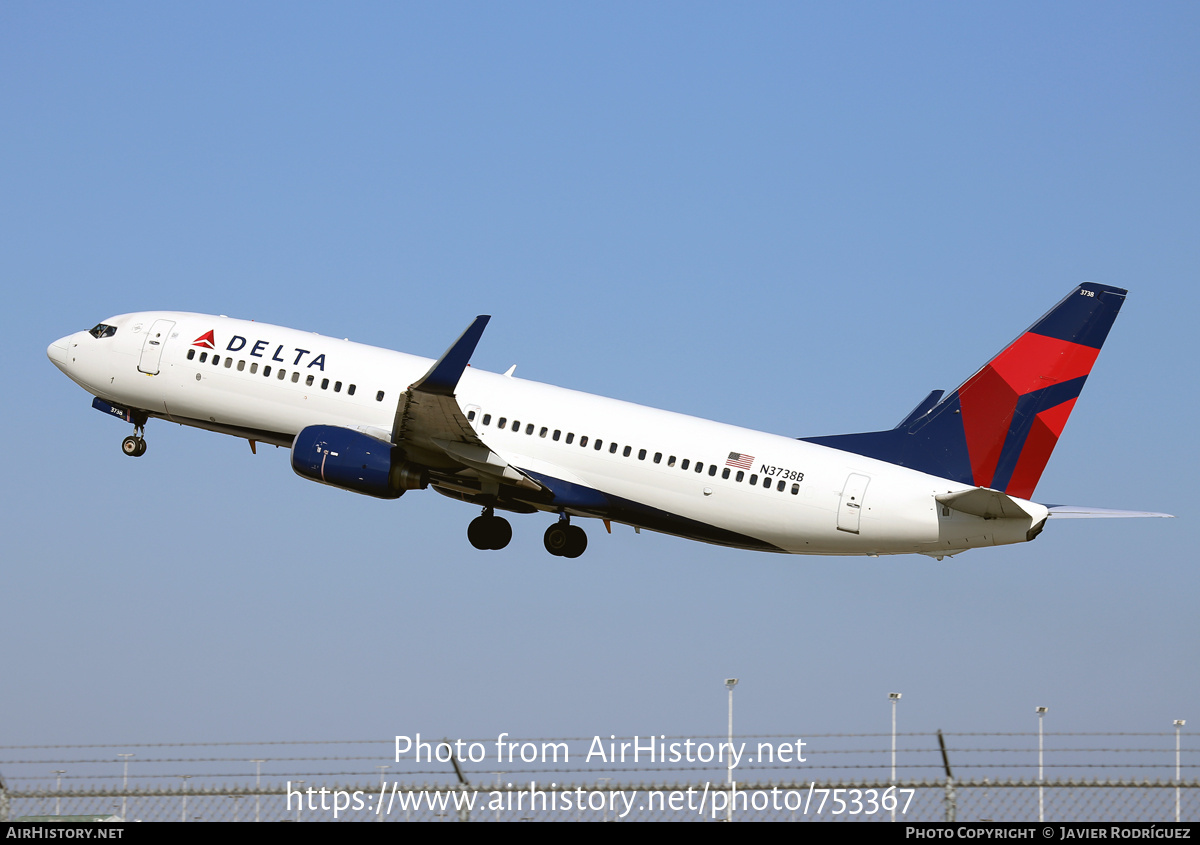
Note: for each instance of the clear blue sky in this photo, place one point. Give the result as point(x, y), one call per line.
point(799, 217)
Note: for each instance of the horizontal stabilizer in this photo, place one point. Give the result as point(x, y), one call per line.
point(1079, 512)
point(984, 502)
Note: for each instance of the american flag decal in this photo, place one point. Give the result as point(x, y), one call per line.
point(737, 459)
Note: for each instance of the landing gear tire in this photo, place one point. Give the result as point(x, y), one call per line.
point(576, 541)
point(489, 532)
point(563, 540)
point(500, 531)
point(556, 539)
point(133, 446)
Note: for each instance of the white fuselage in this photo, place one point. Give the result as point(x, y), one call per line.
point(818, 500)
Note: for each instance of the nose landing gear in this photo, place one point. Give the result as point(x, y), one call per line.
point(135, 444)
point(489, 531)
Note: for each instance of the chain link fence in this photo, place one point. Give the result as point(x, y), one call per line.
point(966, 777)
point(918, 801)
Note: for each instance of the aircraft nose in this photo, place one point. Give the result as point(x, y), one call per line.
point(57, 351)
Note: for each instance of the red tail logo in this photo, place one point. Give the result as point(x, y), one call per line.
point(205, 340)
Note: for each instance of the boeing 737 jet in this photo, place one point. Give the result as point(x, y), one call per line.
point(957, 473)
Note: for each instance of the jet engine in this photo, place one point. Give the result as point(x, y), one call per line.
point(343, 457)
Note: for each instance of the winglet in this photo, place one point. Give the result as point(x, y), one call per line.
point(442, 378)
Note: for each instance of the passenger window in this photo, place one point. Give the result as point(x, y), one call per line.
point(583, 440)
point(612, 448)
point(516, 426)
point(191, 352)
point(641, 454)
point(767, 482)
point(599, 443)
point(738, 478)
point(753, 479)
point(699, 467)
point(487, 419)
point(324, 382)
point(379, 397)
point(216, 360)
point(712, 470)
point(685, 463)
point(337, 387)
point(242, 366)
point(658, 457)
point(795, 489)
point(626, 451)
point(296, 377)
point(570, 437)
point(282, 375)
point(350, 390)
point(253, 367)
point(725, 472)
point(266, 371)
point(502, 422)
point(671, 461)
point(781, 485)
point(542, 433)
point(228, 363)
point(203, 357)
point(308, 381)
point(529, 429)
point(557, 433)
point(471, 416)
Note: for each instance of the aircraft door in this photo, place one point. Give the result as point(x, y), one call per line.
point(152, 346)
point(850, 509)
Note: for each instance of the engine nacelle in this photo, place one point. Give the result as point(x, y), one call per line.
point(343, 457)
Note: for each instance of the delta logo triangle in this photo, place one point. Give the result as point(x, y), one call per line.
point(205, 340)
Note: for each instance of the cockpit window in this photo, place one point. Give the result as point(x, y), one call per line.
point(102, 330)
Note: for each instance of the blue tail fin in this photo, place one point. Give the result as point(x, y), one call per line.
point(1000, 426)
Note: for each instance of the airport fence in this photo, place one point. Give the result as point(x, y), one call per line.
point(1110, 777)
point(917, 801)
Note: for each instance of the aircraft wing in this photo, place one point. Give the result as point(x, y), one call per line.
point(1079, 512)
point(432, 428)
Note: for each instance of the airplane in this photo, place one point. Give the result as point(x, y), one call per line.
point(957, 473)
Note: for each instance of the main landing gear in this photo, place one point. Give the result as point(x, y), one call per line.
point(135, 444)
point(564, 539)
point(489, 531)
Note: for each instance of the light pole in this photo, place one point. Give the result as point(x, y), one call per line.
point(1179, 723)
point(894, 697)
point(183, 810)
point(498, 776)
point(60, 772)
point(125, 785)
point(1041, 712)
point(604, 812)
point(257, 789)
point(730, 683)
point(379, 813)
